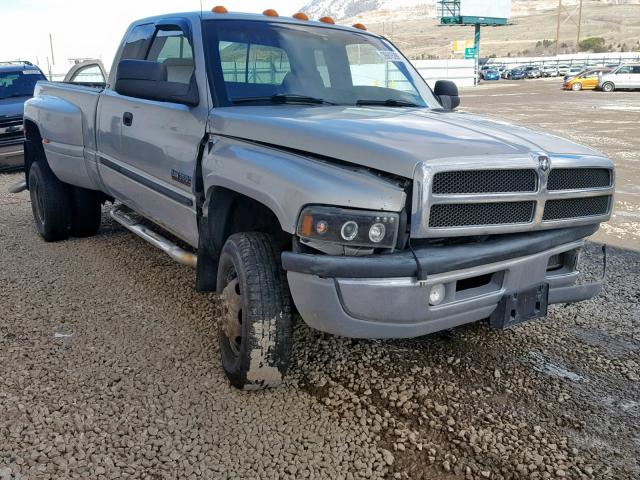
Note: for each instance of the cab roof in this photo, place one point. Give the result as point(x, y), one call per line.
point(209, 15)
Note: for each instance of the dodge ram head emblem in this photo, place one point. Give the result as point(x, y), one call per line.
point(544, 163)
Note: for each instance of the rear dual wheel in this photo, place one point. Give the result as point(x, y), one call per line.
point(61, 210)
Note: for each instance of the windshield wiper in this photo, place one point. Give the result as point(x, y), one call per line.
point(390, 102)
point(283, 98)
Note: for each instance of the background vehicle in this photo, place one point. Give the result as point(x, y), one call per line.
point(549, 71)
point(623, 77)
point(490, 74)
point(587, 80)
point(304, 178)
point(563, 69)
point(532, 72)
point(516, 74)
point(17, 82)
point(573, 72)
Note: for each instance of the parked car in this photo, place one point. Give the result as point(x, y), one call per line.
point(573, 72)
point(533, 72)
point(516, 74)
point(623, 77)
point(291, 191)
point(490, 75)
point(563, 69)
point(549, 71)
point(587, 80)
point(17, 82)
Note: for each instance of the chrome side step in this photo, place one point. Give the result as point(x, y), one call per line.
point(18, 187)
point(127, 218)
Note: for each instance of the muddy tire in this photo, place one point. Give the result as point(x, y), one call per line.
point(87, 212)
point(608, 87)
point(255, 333)
point(50, 203)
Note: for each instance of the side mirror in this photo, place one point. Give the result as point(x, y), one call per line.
point(447, 93)
point(148, 80)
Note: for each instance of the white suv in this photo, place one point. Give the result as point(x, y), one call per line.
point(625, 76)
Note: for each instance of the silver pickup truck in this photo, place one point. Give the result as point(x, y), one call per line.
point(304, 166)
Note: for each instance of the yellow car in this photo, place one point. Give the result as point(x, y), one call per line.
point(584, 81)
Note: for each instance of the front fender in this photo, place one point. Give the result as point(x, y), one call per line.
point(286, 182)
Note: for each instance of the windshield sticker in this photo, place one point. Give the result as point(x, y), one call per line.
point(390, 56)
point(30, 72)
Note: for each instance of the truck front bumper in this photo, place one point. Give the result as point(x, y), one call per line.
point(380, 297)
point(11, 156)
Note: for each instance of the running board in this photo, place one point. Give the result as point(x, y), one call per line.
point(127, 218)
point(18, 187)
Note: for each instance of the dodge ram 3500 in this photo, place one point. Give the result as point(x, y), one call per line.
point(301, 164)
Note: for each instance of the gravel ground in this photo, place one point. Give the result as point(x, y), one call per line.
point(110, 369)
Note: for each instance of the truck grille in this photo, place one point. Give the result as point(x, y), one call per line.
point(578, 178)
point(10, 129)
point(502, 199)
point(484, 181)
point(576, 208)
point(474, 214)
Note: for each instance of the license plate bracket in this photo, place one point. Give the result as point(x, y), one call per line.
point(518, 307)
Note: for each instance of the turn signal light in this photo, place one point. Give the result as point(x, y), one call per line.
point(327, 20)
point(270, 12)
point(219, 9)
point(359, 26)
point(301, 16)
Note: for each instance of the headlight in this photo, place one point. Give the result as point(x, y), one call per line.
point(358, 228)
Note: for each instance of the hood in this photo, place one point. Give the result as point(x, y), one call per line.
point(12, 107)
point(392, 140)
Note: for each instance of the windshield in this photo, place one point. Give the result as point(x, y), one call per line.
point(255, 62)
point(19, 83)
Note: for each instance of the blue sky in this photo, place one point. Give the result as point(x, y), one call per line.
point(92, 28)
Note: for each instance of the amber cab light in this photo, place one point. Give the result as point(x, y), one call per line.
point(219, 9)
point(270, 12)
point(359, 26)
point(301, 16)
point(327, 20)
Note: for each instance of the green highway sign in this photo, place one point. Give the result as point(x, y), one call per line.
point(469, 52)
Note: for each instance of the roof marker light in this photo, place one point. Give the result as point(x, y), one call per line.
point(327, 20)
point(270, 12)
point(219, 9)
point(301, 16)
point(359, 26)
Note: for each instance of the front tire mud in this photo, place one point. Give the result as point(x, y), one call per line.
point(255, 334)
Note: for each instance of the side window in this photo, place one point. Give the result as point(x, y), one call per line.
point(137, 42)
point(253, 63)
point(372, 68)
point(624, 70)
point(90, 74)
point(172, 48)
point(636, 69)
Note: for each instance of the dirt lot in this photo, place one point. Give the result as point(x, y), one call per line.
point(110, 366)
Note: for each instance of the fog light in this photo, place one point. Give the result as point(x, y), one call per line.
point(349, 230)
point(436, 295)
point(377, 232)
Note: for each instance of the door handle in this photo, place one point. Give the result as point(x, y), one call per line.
point(127, 118)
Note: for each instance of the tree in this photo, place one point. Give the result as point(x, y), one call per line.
point(593, 44)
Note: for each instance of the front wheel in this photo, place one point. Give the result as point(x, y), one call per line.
point(576, 87)
point(608, 87)
point(255, 333)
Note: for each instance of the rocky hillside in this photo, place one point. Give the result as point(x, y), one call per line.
point(341, 9)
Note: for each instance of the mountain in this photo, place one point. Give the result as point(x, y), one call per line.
point(341, 9)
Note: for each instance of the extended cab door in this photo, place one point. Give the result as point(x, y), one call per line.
point(149, 148)
point(634, 79)
point(622, 77)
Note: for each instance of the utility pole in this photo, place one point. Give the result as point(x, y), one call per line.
point(579, 25)
point(53, 61)
point(558, 28)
